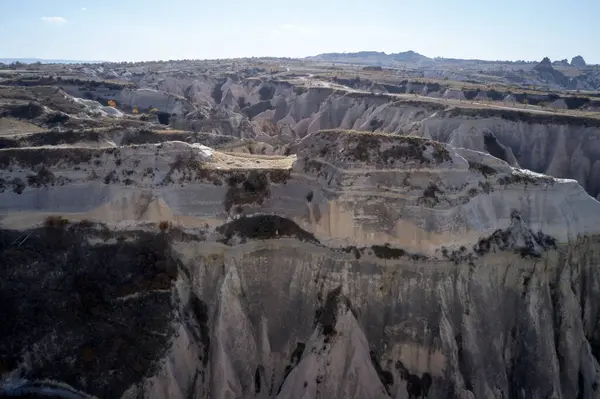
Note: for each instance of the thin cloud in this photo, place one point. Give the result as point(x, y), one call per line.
point(83, 9)
point(54, 20)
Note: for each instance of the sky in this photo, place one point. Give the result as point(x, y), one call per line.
point(136, 30)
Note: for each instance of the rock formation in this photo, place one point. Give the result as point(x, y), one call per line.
point(278, 114)
point(366, 265)
point(563, 62)
point(155, 256)
point(367, 57)
point(578, 62)
point(548, 74)
point(536, 141)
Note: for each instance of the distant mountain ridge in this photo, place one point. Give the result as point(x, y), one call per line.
point(384, 59)
point(46, 61)
point(372, 57)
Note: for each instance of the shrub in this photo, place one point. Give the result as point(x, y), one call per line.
point(266, 92)
point(309, 197)
point(484, 169)
point(375, 124)
point(27, 111)
point(164, 225)
point(111, 178)
point(44, 177)
point(242, 102)
point(18, 185)
point(57, 117)
point(56, 222)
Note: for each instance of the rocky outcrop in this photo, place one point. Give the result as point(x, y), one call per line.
point(578, 62)
point(548, 74)
point(374, 57)
point(563, 62)
point(555, 144)
point(411, 268)
point(365, 266)
point(519, 137)
point(537, 143)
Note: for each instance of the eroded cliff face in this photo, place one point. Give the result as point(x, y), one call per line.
point(554, 144)
point(366, 266)
point(499, 327)
point(280, 113)
point(560, 146)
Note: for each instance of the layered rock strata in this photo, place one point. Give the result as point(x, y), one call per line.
point(365, 266)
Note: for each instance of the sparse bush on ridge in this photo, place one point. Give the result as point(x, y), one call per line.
point(56, 222)
point(164, 225)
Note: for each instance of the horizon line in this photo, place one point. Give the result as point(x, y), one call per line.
point(72, 60)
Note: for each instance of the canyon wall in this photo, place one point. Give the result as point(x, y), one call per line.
point(364, 266)
point(552, 143)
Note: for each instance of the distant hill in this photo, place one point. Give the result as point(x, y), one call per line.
point(372, 58)
point(45, 61)
point(379, 58)
point(548, 74)
point(578, 62)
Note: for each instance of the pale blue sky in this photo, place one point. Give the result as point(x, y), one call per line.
point(118, 30)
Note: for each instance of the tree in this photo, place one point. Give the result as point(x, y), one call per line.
point(16, 65)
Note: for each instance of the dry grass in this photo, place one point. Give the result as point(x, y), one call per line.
point(230, 160)
point(254, 156)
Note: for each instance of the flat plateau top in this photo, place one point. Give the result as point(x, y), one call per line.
point(230, 160)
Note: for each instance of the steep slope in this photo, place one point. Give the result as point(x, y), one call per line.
point(548, 74)
point(366, 266)
point(279, 113)
point(560, 145)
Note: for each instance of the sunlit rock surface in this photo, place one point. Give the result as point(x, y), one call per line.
point(365, 266)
